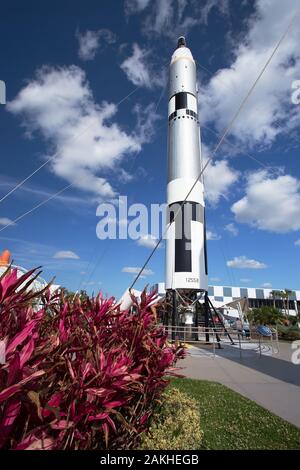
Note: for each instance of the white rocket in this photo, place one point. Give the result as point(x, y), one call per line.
point(186, 259)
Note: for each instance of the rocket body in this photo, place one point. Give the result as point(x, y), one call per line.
point(186, 259)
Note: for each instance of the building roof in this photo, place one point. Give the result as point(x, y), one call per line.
point(229, 293)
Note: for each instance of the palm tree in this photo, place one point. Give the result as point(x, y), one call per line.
point(282, 295)
point(287, 296)
point(275, 294)
point(267, 315)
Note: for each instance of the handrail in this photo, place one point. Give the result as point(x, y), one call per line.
point(197, 334)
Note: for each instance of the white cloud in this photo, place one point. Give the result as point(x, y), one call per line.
point(91, 283)
point(59, 104)
point(215, 279)
point(270, 203)
point(91, 41)
point(147, 241)
point(29, 254)
point(232, 228)
point(161, 19)
point(218, 178)
point(135, 6)
point(73, 202)
point(146, 117)
point(269, 110)
point(6, 221)
point(245, 280)
point(212, 235)
point(242, 262)
point(267, 285)
point(65, 254)
point(124, 176)
point(297, 242)
point(139, 68)
point(172, 18)
point(135, 67)
point(88, 45)
point(217, 5)
point(136, 270)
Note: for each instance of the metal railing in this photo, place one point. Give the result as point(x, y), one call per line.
point(219, 337)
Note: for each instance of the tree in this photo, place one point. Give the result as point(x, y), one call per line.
point(266, 316)
point(275, 294)
point(70, 295)
point(287, 297)
point(283, 295)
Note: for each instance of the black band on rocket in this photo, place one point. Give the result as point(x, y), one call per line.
point(188, 212)
point(187, 92)
point(181, 100)
point(189, 112)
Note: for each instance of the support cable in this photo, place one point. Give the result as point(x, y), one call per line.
point(39, 168)
point(21, 183)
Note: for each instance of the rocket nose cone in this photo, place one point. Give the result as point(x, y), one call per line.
point(182, 51)
point(181, 42)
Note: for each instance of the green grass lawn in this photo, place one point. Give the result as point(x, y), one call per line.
point(230, 421)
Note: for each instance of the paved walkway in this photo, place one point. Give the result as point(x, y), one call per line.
point(272, 381)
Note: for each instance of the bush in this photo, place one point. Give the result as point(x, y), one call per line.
point(266, 316)
point(175, 425)
point(79, 374)
point(289, 333)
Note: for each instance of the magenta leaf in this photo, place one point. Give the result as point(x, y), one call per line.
point(79, 372)
point(20, 337)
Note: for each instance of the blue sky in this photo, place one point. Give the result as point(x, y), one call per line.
point(67, 65)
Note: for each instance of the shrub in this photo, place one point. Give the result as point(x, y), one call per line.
point(175, 425)
point(79, 374)
point(266, 316)
point(289, 333)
